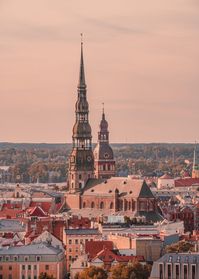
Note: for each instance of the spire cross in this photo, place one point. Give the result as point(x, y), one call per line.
point(103, 108)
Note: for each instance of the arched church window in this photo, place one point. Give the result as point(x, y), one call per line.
point(111, 205)
point(84, 204)
point(101, 205)
point(92, 205)
point(80, 185)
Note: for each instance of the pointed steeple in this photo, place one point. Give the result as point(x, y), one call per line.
point(103, 114)
point(195, 169)
point(82, 82)
point(194, 157)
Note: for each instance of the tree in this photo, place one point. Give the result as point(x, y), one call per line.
point(130, 271)
point(92, 272)
point(180, 247)
point(45, 276)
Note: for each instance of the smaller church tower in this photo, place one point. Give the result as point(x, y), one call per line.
point(104, 163)
point(195, 170)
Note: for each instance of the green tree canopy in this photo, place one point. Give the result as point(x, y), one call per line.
point(92, 272)
point(180, 247)
point(130, 271)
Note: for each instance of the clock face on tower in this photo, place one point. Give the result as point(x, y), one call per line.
point(106, 155)
point(89, 158)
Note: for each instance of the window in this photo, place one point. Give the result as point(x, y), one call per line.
point(161, 271)
point(35, 267)
point(177, 272)
point(38, 258)
point(23, 277)
point(70, 250)
point(70, 258)
point(10, 276)
point(1, 267)
point(169, 271)
point(7, 259)
point(193, 272)
point(76, 241)
point(92, 205)
point(29, 267)
point(80, 176)
point(26, 259)
point(47, 267)
point(35, 276)
point(15, 258)
point(70, 241)
point(101, 205)
point(10, 267)
point(23, 267)
point(0, 259)
point(185, 271)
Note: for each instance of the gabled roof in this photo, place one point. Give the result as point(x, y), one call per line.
point(32, 249)
point(145, 191)
point(108, 256)
point(36, 211)
point(125, 186)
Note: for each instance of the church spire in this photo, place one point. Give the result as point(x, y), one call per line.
point(195, 170)
point(82, 82)
point(81, 161)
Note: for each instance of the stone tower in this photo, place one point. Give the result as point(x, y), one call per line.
point(103, 154)
point(195, 170)
point(81, 161)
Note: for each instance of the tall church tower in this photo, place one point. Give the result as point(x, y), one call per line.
point(103, 153)
point(195, 170)
point(81, 161)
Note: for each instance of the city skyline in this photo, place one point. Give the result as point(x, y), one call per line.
point(140, 60)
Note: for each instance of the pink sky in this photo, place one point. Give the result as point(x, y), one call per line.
point(141, 60)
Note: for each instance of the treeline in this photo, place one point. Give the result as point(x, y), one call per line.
point(49, 162)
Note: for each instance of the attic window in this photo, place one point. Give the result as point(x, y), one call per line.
point(110, 191)
point(124, 182)
point(105, 181)
point(92, 190)
point(130, 192)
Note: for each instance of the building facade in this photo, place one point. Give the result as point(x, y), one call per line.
point(28, 262)
point(176, 266)
point(75, 240)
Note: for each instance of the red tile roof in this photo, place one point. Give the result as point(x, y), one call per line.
point(46, 206)
point(186, 182)
point(108, 256)
point(94, 247)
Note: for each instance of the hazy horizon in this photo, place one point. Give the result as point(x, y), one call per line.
point(140, 60)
